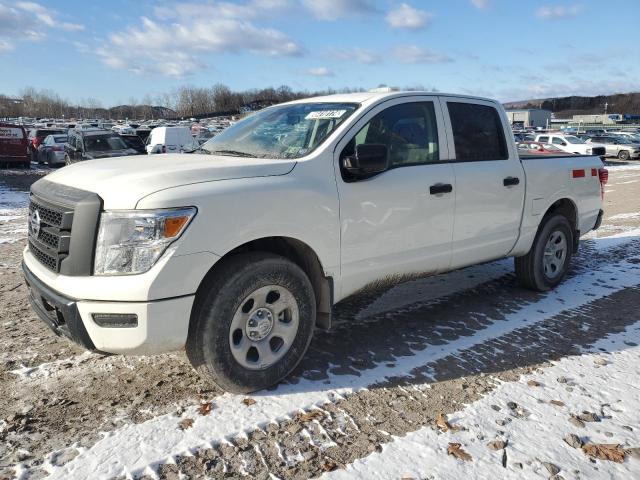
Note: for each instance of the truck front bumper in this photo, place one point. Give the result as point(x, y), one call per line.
point(156, 326)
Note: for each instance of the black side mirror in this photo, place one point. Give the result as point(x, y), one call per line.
point(369, 160)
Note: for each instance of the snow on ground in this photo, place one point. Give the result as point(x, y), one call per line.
point(626, 216)
point(623, 168)
point(610, 241)
point(134, 447)
point(13, 215)
point(604, 381)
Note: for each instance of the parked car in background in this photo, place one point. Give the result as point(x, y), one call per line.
point(37, 136)
point(14, 145)
point(620, 147)
point(204, 135)
point(524, 137)
point(633, 136)
point(135, 142)
point(143, 131)
point(92, 144)
point(171, 140)
point(124, 129)
point(572, 144)
point(51, 150)
point(537, 148)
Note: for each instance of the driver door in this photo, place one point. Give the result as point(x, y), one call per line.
point(398, 223)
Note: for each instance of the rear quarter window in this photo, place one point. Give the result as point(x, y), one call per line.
point(478, 134)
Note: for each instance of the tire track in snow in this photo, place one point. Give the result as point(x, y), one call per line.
point(596, 382)
point(134, 447)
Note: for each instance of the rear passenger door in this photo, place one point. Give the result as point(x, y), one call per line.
point(490, 182)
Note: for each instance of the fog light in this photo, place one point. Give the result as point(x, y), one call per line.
point(115, 320)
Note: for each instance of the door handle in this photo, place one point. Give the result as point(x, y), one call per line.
point(511, 181)
point(440, 188)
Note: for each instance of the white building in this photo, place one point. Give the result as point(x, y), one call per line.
point(533, 117)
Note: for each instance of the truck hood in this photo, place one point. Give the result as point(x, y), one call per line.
point(121, 182)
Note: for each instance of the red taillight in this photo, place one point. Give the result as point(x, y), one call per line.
point(35, 141)
point(603, 175)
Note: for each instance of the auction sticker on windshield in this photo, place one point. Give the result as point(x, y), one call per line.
point(323, 114)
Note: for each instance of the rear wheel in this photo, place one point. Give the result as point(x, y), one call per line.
point(252, 322)
point(623, 155)
point(546, 264)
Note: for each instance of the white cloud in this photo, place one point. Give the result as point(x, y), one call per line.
point(5, 46)
point(48, 16)
point(481, 4)
point(178, 44)
point(334, 9)
point(415, 54)
point(320, 72)
point(28, 21)
point(408, 18)
point(559, 11)
point(359, 55)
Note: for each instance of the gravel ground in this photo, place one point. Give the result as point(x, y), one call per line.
point(57, 401)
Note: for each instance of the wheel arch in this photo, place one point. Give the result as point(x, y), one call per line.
point(299, 253)
point(567, 208)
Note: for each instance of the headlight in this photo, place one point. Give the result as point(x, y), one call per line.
point(131, 241)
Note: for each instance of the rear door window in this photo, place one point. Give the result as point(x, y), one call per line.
point(478, 134)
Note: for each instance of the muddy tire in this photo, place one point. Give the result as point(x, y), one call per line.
point(623, 155)
point(546, 264)
point(252, 322)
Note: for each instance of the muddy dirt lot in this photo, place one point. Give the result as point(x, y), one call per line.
point(396, 359)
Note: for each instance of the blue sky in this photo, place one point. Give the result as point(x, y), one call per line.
point(510, 50)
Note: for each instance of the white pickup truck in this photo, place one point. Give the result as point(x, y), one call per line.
point(238, 251)
point(572, 144)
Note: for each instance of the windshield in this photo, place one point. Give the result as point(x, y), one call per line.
point(60, 139)
point(286, 131)
point(572, 139)
point(104, 143)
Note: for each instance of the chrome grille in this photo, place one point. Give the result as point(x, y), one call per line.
point(51, 244)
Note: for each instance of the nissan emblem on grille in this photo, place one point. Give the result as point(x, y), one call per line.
point(34, 223)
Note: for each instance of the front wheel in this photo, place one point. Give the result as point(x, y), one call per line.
point(623, 155)
point(252, 322)
point(546, 264)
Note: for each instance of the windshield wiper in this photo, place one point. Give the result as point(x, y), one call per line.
point(234, 153)
point(198, 150)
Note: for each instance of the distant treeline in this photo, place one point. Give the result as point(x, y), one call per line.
point(568, 106)
point(186, 101)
